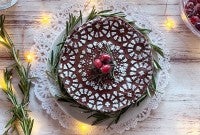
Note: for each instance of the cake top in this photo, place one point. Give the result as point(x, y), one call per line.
point(128, 67)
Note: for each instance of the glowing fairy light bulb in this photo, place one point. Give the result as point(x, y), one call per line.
point(84, 129)
point(1, 39)
point(30, 57)
point(37, 127)
point(3, 85)
point(93, 3)
point(45, 19)
point(169, 23)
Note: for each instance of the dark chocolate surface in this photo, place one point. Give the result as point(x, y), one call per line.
point(131, 55)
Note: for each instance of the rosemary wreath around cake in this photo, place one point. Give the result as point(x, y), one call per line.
point(104, 65)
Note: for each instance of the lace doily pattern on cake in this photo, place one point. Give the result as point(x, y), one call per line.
point(44, 42)
point(131, 55)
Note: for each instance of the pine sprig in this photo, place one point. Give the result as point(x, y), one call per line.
point(99, 117)
point(73, 21)
point(19, 110)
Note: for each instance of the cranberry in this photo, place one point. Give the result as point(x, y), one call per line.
point(105, 69)
point(97, 63)
point(189, 5)
point(194, 19)
point(197, 25)
point(197, 8)
point(193, 1)
point(189, 12)
point(105, 58)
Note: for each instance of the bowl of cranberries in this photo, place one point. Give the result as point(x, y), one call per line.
point(191, 15)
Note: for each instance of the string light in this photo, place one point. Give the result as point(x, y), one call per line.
point(84, 129)
point(4, 42)
point(169, 23)
point(45, 19)
point(1, 39)
point(2, 84)
point(30, 57)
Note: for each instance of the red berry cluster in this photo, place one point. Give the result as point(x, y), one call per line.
point(192, 9)
point(103, 63)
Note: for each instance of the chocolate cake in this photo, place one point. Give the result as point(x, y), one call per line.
point(127, 70)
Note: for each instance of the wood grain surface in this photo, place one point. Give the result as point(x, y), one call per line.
point(179, 112)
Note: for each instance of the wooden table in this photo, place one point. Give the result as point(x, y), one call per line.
point(179, 112)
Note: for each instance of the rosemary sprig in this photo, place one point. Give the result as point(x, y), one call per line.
point(97, 115)
point(73, 21)
point(23, 72)
point(19, 110)
point(104, 13)
point(157, 49)
point(55, 54)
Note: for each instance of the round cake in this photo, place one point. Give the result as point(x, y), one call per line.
point(106, 64)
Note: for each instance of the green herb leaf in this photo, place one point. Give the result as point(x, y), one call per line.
point(157, 49)
point(18, 110)
point(156, 65)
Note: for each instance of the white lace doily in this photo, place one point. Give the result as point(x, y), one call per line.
point(44, 39)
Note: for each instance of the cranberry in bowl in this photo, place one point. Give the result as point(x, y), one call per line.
point(190, 13)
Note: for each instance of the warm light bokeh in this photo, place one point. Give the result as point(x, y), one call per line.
point(89, 4)
point(30, 57)
point(45, 19)
point(93, 2)
point(183, 16)
point(1, 39)
point(188, 125)
point(83, 128)
point(37, 127)
point(169, 23)
point(3, 85)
